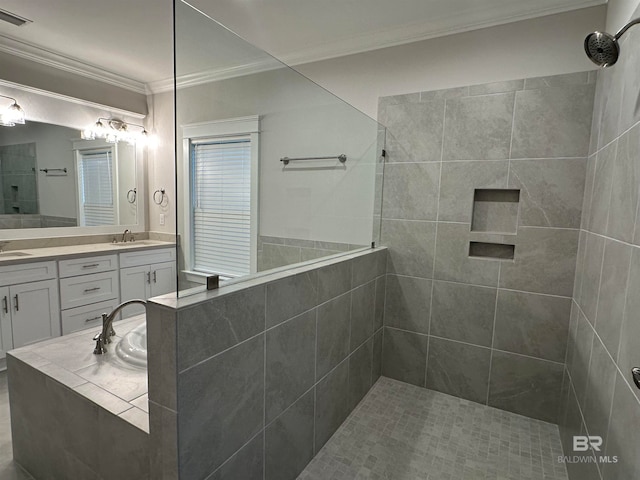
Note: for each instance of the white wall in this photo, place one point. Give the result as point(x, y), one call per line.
point(539, 47)
point(619, 12)
point(297, 120)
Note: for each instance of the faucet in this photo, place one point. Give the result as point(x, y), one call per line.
point(125, 234)
point(107, 332)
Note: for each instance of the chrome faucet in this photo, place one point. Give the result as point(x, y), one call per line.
point(107, 332)
point(125, 234)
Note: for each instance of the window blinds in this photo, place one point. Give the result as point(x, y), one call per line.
point(96, 185)
point(221, 216)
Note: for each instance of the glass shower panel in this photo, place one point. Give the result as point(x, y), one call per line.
point(272, 169)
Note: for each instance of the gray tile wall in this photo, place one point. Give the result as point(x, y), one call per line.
point(256, 379)
point(599, 397)
point(18, 177)
point(276, 252)
point(491, 331)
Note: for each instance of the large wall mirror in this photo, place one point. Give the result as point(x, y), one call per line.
point(50, 177)
point(54, 182)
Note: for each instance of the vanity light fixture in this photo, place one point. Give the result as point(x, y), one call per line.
point(13, 115)
point(114, 130)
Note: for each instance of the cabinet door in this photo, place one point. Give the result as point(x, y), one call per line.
point(35, 312)
point(163, 278)
point(6, 340)
point(134, 283)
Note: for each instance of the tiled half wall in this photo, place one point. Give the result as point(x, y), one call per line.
point(255, 377)
point(490, 329)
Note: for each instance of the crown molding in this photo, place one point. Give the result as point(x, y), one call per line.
point(77, 101)
point(208, 76)
point(39, 55)
point(406, 34)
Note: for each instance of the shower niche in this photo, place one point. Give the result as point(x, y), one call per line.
point(494, 223)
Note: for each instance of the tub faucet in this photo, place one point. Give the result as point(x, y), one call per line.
point(107, 332)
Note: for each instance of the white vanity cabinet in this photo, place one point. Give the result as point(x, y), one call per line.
point(89, 286)
point(146, 274)
point(29, 306)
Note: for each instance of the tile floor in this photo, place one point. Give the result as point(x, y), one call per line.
point(402, 432)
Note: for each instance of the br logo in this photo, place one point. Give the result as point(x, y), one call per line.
point(581, 443)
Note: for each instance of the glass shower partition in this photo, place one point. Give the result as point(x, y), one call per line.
point(272, 169)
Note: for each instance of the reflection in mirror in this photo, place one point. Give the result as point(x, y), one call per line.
point(49, 177)
point(273, 170)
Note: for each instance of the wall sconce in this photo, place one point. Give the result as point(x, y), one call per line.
point(114, 130)
point(12, 115)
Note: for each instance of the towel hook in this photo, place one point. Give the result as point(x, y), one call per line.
point(160, 191)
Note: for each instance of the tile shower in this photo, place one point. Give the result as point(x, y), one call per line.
point(481, 209)
point(599, 397)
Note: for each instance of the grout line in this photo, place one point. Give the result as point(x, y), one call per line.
point(613, 161)
point(595, 318)
point(615, 363)
point(264, 393)
point(513, 122)
point(568, 297)
point(624, 310)
point(493, 334)
point(315, 379)
point(477, 346)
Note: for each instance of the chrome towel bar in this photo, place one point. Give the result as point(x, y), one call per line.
point(342, 157)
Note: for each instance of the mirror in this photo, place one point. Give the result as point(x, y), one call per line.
point(49, 177)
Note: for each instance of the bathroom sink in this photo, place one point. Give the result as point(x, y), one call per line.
point(138, 243)
point(13, 254)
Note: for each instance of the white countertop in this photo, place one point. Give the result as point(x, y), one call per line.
point(57, 253)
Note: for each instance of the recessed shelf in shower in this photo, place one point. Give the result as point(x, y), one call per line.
point(495, 210)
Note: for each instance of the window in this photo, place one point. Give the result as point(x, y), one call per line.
point(96, 187)
point(222, 163)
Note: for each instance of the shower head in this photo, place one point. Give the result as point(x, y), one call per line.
point(603, 48)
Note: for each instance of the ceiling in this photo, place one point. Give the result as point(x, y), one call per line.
point(133, 39)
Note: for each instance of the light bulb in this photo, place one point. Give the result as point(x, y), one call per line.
point(15, 114)
point(5, 121)
point(88, 134)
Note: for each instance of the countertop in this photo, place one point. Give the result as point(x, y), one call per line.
point(103, 379)
point(77, 251)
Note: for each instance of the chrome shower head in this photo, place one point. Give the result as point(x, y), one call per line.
point(602, 48)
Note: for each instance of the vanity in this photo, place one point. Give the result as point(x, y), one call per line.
point(49, 292)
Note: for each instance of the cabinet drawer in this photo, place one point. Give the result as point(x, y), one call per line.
point(27, 272)
point(88, 316)
point(88, 289)
point(147, 257)
point(87, 265)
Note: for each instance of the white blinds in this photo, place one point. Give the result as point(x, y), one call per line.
point(95, 172)
point(221, 188)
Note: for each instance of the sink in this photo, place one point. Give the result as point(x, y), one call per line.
point(13, 254)
point(135, 243)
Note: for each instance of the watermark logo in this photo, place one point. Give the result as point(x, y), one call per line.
point(584, 443)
